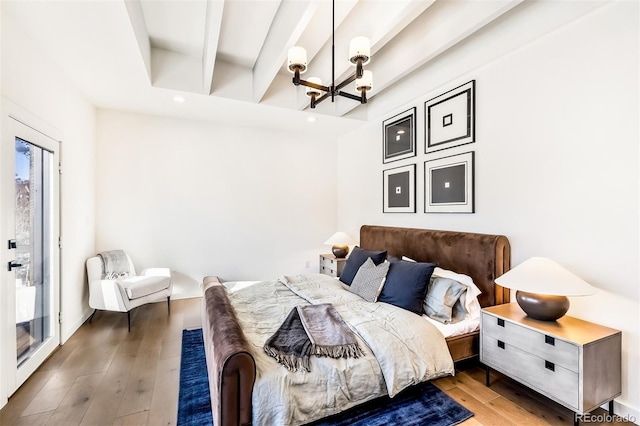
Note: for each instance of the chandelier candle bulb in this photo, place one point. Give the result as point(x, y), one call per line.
point(312, 91)
point(365, 82)
point(297, 59)
point(359, 48)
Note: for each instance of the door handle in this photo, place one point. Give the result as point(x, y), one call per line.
point(12, 264)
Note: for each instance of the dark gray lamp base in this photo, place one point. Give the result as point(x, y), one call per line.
point(340, 252)
point(542, 306)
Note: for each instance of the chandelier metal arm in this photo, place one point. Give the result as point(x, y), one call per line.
point(301, 82)
point(362, 98)
point(350, 79)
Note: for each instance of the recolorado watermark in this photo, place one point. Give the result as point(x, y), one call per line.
point(604, 418)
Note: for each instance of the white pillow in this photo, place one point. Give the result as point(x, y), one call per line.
point(471, 303)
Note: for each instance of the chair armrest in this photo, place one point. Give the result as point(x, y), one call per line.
point(107, 295)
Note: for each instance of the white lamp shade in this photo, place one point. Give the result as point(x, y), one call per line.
point(313, 91)
point(297, 58)
point(365, 82)
point(359, 48)
point(340, 239)
point(544, 276)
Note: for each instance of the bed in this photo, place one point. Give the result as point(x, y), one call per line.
point(242, 388)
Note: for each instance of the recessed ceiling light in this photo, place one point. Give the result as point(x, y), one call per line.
point(400, 132)
point(311, 119)
point(179, 98)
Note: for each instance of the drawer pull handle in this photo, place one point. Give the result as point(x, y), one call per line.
point(500, 344)
point(500, 322)
point(549, 366)
point(549, 340)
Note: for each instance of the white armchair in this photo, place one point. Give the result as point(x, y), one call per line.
point(124, 294)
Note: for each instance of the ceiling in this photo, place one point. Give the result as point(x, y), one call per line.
point(134, 54)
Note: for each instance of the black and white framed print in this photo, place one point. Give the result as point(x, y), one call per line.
point(399, 189)
point(448, 184)
point(399, 136)
point(450, 118)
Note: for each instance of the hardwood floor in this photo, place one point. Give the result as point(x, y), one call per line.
point(104, 375)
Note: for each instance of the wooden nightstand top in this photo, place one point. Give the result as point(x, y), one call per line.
point(566, 328)
point(331, 256)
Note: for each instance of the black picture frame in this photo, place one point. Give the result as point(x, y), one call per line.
point(399, 189)
point(450, 118)
point(449, 184)
point(399, 136)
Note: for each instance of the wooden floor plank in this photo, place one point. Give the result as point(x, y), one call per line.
point(21, 399)
point(136, 419)
point(72, 408)
point(40, 419)
point(482, 413)
point(103, 409)
point(164, 403)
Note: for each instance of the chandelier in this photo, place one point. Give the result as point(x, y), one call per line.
point(359, 55)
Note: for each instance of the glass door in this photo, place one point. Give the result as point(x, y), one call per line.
point(31, 222)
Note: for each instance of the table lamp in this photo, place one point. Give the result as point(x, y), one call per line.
point(542, 287)
point(340, 242)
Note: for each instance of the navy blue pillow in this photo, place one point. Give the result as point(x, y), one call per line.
point(355, 260)
point(406, 285)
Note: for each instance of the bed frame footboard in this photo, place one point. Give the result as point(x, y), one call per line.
point(230, 365)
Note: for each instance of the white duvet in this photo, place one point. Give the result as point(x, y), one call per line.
point(401, 349)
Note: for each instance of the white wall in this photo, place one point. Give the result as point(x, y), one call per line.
point(239, 203)
point(31, 81)
point(556, 153)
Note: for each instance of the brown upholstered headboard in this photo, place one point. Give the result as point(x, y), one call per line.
point(481, 256)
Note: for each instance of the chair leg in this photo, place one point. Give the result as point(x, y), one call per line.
point(169, 304)
point(129, 320)
point(91, 317)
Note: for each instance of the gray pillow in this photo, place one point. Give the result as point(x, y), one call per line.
point(442, 294)
point(459, 312)
point(369, 280)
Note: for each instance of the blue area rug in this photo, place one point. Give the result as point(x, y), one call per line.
point(194, 400)
point(423, 404)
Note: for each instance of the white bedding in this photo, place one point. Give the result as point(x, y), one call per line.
point(401, 349)
point(448, 330)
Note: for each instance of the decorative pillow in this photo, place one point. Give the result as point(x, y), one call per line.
point(355, 260)
point(443, 293)
point(406, 285)
point(369, 280)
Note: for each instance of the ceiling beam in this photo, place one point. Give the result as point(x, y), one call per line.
point(290, 22)
point(215, 10)
point(444, 25)
point(136, 17)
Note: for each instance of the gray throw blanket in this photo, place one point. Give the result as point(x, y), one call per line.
point(311, 330)
point(115, 264)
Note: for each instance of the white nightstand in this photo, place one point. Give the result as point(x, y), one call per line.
point(329, 265)
point(573, 362)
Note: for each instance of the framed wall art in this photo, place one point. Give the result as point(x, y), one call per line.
point(399, 189)
point(449, 184)
point(399, 136)
point(450, 118)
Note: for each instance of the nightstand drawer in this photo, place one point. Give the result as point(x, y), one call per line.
point(540, 374)
point(539, 344)
point(329, 265)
